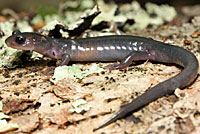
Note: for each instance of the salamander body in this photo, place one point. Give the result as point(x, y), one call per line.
point(123, 48)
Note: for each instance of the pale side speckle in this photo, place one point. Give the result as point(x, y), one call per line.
point(112, 47)
point(100, 48)
point(106, 48)
point(123, 47)
point(27, 42)
point(135, 48)
point(73, 42)
point(134, 43)
point(65, 45)
point(130, 48)
point(140, 48)
point(118, 47)
point(73, 47)
point(87, 49)
point(81, 48)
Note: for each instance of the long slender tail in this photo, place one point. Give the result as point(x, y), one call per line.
point(184, 78)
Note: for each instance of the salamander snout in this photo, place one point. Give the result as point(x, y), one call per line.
point(20, 41)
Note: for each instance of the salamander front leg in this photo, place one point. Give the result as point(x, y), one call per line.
point(65, 60)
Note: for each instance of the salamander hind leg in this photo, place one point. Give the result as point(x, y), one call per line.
point(133, 56)
point(123, 64)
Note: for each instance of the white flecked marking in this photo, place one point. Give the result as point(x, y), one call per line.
point(140, 48)
point(73, 42)
point(106, 48)
point(81, 48)
point(123, 47)
point(134, 44)
point(118, 47)
point(100, 48)
point(73, 47)
point(87, 49)
point(135, 48)
point(112, 47)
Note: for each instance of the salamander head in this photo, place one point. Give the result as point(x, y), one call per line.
point(25, 41)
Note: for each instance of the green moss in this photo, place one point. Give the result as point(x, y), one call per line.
point(74, 72)
point(46, 11)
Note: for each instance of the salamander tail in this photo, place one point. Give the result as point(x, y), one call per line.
point(112, 119)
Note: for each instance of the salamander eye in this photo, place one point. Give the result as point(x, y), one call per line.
point(20, 39)
point(16, 32)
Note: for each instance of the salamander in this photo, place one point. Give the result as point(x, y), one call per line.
point(123, 48)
